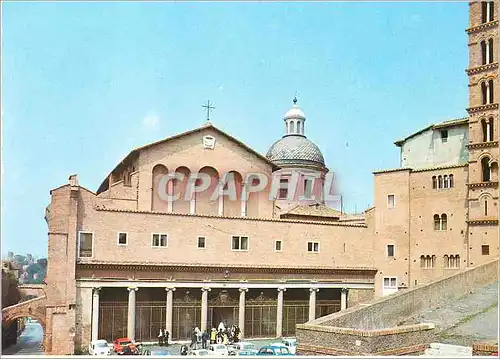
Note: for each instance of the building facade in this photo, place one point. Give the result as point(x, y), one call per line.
point(147, 250)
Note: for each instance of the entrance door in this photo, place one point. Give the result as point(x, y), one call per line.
point(390, 285)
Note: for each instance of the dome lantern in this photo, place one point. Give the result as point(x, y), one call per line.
point(294, 120)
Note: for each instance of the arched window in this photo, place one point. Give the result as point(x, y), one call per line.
point(484, 92)
point(444, 222)
point(485, 207)
point(292, 126)
point(422, 261)
point(490, 129)
point(433, 261)
point(437, 221)
point(457, 261)
point(434, 182)
point(451, 181)
point(485, 169)
point(445, 181)
point(446, 261)
point(489, 55)
point(487, 11)
point(484, 53)
point(440, 182)
point(484, 127)
point(490, 90)
point(298, 127)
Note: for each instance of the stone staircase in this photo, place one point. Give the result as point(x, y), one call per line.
point(448, 350)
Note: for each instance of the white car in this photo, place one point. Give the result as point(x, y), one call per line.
point(290, 343)
point(99, 347)
point(218, 349)
point(245, 348)
point(200, 352)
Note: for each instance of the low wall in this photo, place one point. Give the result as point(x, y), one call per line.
point(484, 349)
point(372, 328)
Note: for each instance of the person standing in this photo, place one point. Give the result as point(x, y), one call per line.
point(166, 336)
point(213, 336)
point(204, 339)
point(194, 339)
point(160, 338)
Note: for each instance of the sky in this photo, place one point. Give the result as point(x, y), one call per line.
point(85, 83)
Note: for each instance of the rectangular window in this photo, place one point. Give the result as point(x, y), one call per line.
point(122, 238)
point(160, 240)
point(485, 250)
point(390, 282)
point(277, 246)
point(390, 250)
point(202, 242)
point(391, 201)
point(444, 135)
point(308, 188)
point(86, 245)
point(283, 190)
point(239, 243)
point(313, 247)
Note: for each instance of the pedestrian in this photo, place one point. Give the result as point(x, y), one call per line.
point(213, 336)
point(166, 335)
point(160, 338)
point(219, 337)
point(194, 339)
point(204, 339)
point(184, 350)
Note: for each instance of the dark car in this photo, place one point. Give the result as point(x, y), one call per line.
point(274, 350)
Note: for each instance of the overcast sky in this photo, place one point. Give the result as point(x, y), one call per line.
point(85, 83)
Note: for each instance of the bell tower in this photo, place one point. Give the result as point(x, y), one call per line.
point(483, 132)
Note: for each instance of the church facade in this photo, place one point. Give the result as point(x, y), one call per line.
point(200, 228)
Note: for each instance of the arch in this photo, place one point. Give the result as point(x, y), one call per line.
point(440, 181)
point(444, 222)
point(451, 180)
point(434, 182)
point(433, 261)
point(445, 184)
point(298, 127)
point(484, 128)
point(158, 204)
point(232, 205)
point(485, 169)
point(446, 261)
point(437, 222)
point(484, 93)
point(457, 261)
point(490, 53)
point(183, 204)
point(292, 126)
point(205, 203)
point(422, 261)
point(491, 128)
point(491, 91)
point(484, 51)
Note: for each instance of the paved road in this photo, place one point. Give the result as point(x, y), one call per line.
point(29, 342)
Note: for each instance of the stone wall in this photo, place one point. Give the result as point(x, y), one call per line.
point(373, 328)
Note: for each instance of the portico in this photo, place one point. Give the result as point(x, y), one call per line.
point(259, 309)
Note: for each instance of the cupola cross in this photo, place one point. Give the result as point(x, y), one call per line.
point(209, 108)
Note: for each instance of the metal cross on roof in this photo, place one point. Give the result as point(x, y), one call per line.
point(209, 108)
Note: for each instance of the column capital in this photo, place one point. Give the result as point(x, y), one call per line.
point(206, 289)
point(96, 290)
point(281, 289)
point(243, 290)
point(313, 289)
point(168, 289)
point(132, 289)
point(344, 290)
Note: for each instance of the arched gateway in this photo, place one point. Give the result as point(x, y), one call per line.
point(33, 308)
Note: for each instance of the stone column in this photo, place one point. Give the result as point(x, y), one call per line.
point(170, 191)
point(192, 204)
point(343, 299)
point(170, 306)
point(279, 313)
point(204, 308)
point(241, 311)
point(244, 199)
point(221, 198)
point(131, 313)
point(312, 303)
point(95, 314)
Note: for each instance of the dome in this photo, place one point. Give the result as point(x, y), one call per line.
point(295, 113)
point(295, 150)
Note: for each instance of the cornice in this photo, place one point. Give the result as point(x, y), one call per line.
point(490, 106)
point(483, 222)
point(475, 70)
point(145, 266)
point(483, 184)
point(482, 145)
point(486, 25)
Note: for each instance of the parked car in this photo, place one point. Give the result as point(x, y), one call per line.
point(200, 352)
point(120, 344)
point(290, 343)
point(157, 352)
point(242, 348)
point(274, 350)
point(218, 349)
point(99, 347)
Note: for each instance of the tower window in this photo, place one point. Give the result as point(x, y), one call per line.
point(490, 88)
point(391, 201)
point(485, 250)
point(484, 52)
point(487, 11)
point(490, 51)
point(484, 127)
point(484, 92)
point(444, 135)
point(308, 188)
point(490, 128)
point(485, 207)
point(485, 169)
point(390, 250)
point(440, 222)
